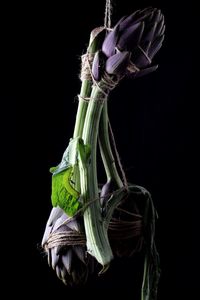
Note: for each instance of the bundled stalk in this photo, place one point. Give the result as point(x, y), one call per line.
point(87, 226)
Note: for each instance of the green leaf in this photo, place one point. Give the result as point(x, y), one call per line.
point(63, 194)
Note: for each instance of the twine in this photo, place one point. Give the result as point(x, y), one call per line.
point(118, 229)
point(86, 99)
point(124, 230)
point(86, 63)
point(106, 84)
point(65, 238)
point(108, 13)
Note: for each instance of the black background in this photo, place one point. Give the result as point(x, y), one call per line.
point(154, 120)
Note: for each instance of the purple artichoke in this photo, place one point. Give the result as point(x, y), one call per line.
point(126, 230)
point(71, 262)
point(130, 47)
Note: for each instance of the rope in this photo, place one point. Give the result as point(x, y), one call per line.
point(66, 238)
point(121, 229)
point(118, 229)
point(86, 63)
point(86, 99)
point(108, 14)
point(106, 84)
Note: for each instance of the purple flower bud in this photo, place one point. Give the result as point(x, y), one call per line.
point(70, 262)
point(134, 41)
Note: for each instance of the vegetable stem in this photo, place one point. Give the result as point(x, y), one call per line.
point(96, 232)
point(106, 150)
point(85, 92)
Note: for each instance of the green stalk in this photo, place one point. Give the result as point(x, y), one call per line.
point(96, 232)
point(82, 108)
point(106, 151)
point(95, 42)
point(86, 87)
point(79, 124)
point(110, 166)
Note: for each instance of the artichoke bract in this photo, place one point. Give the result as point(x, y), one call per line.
point(89, 226)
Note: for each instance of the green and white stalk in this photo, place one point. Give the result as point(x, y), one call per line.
point(82, 108)
point(96, 39)
point(96, 225)
point(86, 128)
point(106, 150)
point(86, 88)
point(96, 232)
point(79, 124)
point(110, 166)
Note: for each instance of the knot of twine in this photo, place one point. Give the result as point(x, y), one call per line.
point(86, 64)
point(106, 84)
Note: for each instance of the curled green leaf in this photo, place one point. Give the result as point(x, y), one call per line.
point(63, 194)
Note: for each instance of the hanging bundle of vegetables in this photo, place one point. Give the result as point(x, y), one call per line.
point(89, 223)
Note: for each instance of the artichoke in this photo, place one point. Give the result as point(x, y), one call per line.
point(68, 257)
point(129, 48)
